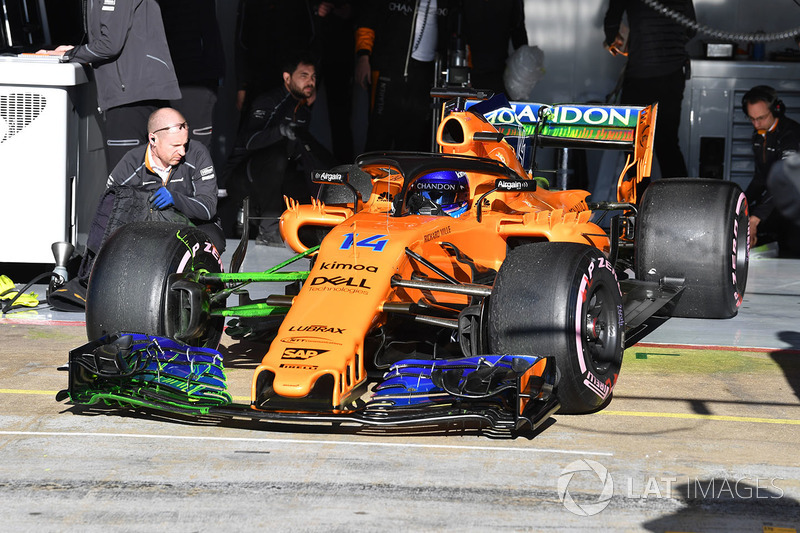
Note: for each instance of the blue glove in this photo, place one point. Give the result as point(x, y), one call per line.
point(161, 198)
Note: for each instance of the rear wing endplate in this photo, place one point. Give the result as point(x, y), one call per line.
point(629, 128)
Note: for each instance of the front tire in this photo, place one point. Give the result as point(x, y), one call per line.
point(128, 286)
point(561, 299)
point(695, 229)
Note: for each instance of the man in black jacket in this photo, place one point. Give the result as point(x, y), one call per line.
point(133, 70)
point(656, 69)
point(775, 138)
point(274, 151)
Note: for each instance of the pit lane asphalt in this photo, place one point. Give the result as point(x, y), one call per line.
point(694, 440)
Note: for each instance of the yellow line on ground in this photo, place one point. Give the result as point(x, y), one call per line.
point(23, 391)
point(695, 416)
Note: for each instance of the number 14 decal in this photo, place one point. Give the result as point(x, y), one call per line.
point(376, 242)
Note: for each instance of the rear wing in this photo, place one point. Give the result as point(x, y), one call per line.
point(629, 128)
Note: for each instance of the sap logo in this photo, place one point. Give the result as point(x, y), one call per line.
point(301, 353)
point(339, 280)
point(333, 265)
point(320, 329)
point(376, 242)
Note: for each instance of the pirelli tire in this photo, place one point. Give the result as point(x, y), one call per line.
point(561, 299)
point(128, 286)
point(695, 230)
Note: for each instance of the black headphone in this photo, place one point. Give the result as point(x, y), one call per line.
point(764, 93)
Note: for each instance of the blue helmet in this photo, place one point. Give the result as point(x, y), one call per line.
point(446, 188)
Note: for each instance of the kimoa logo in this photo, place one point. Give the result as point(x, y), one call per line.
point(333, 265)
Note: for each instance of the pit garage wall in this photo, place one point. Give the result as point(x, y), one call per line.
point(578, 69)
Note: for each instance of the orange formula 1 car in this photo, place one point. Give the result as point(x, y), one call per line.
point(442, 286)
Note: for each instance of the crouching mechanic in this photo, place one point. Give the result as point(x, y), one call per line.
point(178, 173)
point(170, 179)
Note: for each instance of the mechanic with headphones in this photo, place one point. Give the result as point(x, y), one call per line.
point(169, 179)
point(776, 137)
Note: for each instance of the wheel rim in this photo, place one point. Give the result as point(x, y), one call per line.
point(600, 327)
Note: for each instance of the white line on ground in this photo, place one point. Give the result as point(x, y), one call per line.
point(300, 441)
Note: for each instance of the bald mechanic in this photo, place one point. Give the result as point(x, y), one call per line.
point(178, 172)
point(169, 179)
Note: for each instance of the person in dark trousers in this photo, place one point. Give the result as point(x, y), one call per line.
point(275, 152)
point(775, 138)
point(396, 46)
point(196, 49)
point(488, 26)
point(127, 49)
point(656, 69)
point(333, 45)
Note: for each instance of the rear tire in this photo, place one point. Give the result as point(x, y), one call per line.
point(695, 229)
point(128, 285)
point(561, 299)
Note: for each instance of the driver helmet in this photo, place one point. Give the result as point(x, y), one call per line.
point(446, 188)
